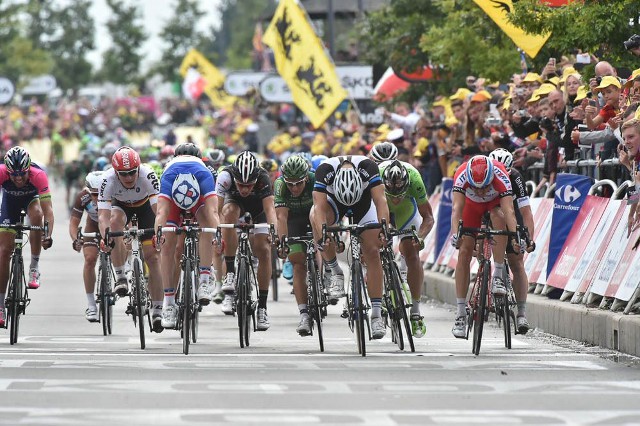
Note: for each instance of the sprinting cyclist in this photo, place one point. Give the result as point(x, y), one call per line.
point(293, 201)
point(352, 184)
point(242, 188)
point(409, 206)
point(87, 201)
point(131, 188)
point(187, 185)
point(524, 216)
point(384, 151)
point(25, 187)
point(480, 185)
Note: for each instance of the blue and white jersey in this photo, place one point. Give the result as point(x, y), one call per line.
point(187, 165)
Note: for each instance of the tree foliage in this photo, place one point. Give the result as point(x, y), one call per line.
point(598, 27)
point(180, 35)
point(121, 62)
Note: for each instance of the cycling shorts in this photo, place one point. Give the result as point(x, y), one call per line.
point(144, 213)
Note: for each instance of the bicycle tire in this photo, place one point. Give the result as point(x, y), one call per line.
point(16, 292)
point(241, 301)
point(105, 296)
point(402, 307)
point(139, 301)
point(314, 303)
point(274, 274)
point(506, 321)
point(482, 308)
point(250, 323)
point(186, 306)
point(359, 310)
point(390, 300)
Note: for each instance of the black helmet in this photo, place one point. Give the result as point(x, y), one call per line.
point(246, 168)
point(188, 149)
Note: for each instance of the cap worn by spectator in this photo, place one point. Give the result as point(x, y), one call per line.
point(441, 103)
point(582, 93)
point(460, 95)
point(635, 74)
point(553, 80)
point(607, 81)
point(481, 96)
point(395, 136)
point(532, 77)
point(567, 72)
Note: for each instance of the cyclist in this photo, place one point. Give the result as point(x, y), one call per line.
point(385, 151)
point(480, 185)
point(352, 184)
point(524, 216)
point(216, 156)
point(25, 187)
point(131, 188)
point(409, 206)
point(245, 187)
point(293, 201)
point(87, 200)
point(187, 185)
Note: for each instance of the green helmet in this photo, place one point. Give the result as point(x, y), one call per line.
point(295, 168)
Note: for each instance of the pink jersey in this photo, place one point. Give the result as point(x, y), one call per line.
point(499, 187)
point(36, 186)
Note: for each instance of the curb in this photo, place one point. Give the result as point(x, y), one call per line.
point(606, 329)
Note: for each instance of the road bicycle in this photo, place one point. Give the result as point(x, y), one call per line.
point(357, 304)
point(395, 299)
point(316, 295)
point(105, 299)
point(245, 280)
point(139, 301)
point(276, 272)
point(17, 298)
point(186, 294)
point(481, 301)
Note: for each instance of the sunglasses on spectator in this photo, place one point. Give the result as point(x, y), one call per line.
point(128, 173)
point(294, 184)
point(19, 173)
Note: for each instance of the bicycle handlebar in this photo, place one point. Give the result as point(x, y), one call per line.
point(245, 226)
point(181, 229)
point(131, 233)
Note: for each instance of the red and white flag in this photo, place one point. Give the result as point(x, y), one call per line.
point(193, 84)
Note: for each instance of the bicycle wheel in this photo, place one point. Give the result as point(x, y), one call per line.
point(506, 320)
point(195, 316)
point(481, 313)
point(401, 308)
point(241, 301)
point(314, 302)
point(105, 296)
point(391, 302)
point(274, 274)
point(358, 309)
point(186, 306)
point(139, 302)
point(15, 297)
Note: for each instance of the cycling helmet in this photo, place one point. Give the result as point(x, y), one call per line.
point(93, 181)
point(384, 151)
point(185, 191)
point(245, 169)
point(125, 159)
point(396, 179)
point(295, 168)
point(503, 156)
point(479, 171)
point(216, 156)
point(100, 163)
point(17, 159)
point(167, 151)
point(348, 186)
point(188, 149)
point(269, 165)
point(306, 157)
point(109, 149)
point(316, 160)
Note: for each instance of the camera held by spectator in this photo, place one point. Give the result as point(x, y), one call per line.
point(546, 124)
point(633, 44)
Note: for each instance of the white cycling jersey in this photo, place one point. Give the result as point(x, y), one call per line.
point(146, 188)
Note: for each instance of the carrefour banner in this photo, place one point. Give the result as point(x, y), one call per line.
point(444, 215)
point(571, 192)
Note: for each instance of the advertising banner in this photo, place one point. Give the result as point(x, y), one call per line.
point(571, 192)
point(444, 214)
point(542, 223)
point(577, 241)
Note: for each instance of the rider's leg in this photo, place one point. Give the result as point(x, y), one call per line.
point(230, 214)
point(34, 211)
point(520, 281)
point(119, 252)
point(500, 246)
point(262, 250)
point(463, 272)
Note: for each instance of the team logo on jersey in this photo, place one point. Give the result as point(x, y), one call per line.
point(185, 191)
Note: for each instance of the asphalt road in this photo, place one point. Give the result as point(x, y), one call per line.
point(63, 371)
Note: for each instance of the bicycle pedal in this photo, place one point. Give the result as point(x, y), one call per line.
point(344, 314)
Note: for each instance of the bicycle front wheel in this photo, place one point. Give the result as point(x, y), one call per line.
point(16, 294)
point(481, 313)
point(242, 309)
point(139, 302)
point(359, 310)
point(106, 309)
point(400, 315)
point(314, 302)
point(186, 306)
point(275, 273)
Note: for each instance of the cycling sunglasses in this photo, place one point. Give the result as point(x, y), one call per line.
point(19, 173)
point(296, 183)
point(128, 173)
point(246, 185)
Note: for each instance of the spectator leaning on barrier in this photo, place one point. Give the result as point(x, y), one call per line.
point(551, 132)
point(609, 88)
point(631, 150)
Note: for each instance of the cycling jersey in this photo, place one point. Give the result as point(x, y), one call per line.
point(402, 214)
point(15, 199)
point(252, 203)
point(520, 195)
point(83, 203)
point(146, 189)
point(298, 206)
point(187, 164)
point(500, 185)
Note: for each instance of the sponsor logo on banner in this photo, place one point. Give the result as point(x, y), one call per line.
point(7, 90)
point(444, 214)
point(571, 192)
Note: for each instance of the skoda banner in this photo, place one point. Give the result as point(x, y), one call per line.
point(571, 192)
point(444, 215)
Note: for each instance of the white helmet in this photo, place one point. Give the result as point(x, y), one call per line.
point(384, 151)
point(185, 191)
point(93, 181)
point(503, 156)
point(348, 186)
point(246, 168)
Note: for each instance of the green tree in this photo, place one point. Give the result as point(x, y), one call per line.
point(70, 44)
point(121, 62)
point(598, 27)
point(180, 35)
point(41, 21)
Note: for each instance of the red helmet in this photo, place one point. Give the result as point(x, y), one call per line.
point(167, 151)
point(479, 171)
point(125, 159)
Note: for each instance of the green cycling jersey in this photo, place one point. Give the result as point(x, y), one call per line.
point(298, 206)
point(406, 208)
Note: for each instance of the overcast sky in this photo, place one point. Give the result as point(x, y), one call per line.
point(155, 14)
